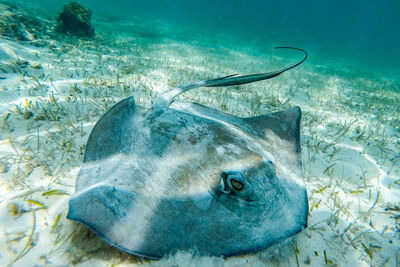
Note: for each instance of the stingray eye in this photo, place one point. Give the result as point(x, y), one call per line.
point(238, 186)
point(233, 181)
point(234, 184)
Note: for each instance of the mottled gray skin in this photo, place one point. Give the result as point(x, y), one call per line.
point(182, 176)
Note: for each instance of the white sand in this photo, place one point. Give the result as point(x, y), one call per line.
point(350, 144)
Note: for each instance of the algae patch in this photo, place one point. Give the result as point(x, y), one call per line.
point(75, 20)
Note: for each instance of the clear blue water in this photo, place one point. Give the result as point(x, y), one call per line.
point(363, 32)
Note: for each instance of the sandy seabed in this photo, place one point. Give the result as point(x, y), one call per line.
point(52, 92)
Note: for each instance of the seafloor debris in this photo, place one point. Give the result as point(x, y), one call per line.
point(16, 24)
point(75, 20)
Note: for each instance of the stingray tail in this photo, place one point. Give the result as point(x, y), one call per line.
point(229, 80)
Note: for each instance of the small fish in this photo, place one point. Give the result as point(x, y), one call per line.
point(183, 176)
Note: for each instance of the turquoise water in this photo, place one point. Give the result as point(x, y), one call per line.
point(365, 32)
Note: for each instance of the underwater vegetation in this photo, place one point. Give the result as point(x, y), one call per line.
point(19, 25)
point(75, 20)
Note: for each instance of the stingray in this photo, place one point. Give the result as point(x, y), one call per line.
point(181, 176)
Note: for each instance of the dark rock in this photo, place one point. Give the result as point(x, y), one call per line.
point(75, 20)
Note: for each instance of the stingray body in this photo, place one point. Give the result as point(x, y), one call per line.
point(182, 176)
